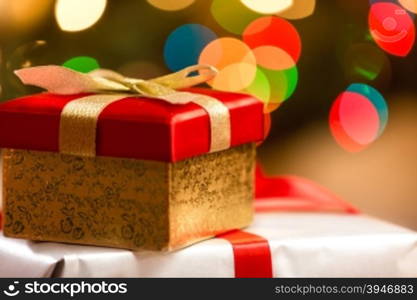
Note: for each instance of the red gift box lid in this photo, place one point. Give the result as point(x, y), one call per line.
point(140, 128)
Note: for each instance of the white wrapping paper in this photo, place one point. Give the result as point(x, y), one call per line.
point(302, 245)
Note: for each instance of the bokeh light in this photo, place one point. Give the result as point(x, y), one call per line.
point(410, 5)
point(358, 117)
point(283, 83)
point(273, 58)
point(365, 62)
point(392, 28)
point(376, 99)
point(232, 15)
point(184, 45)
point(353, 121)
point(279, 86)
point(82, 64)
point(400, 3)
point(22, 16)
point(299, 9)
point(260, 87)
point(171, 5)
point(273, 87)
point(292, 81)
point(234, 60)
point(275, 42)
point(267, 6)
point(77, 15)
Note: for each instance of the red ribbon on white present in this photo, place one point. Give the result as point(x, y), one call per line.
point(252, 254)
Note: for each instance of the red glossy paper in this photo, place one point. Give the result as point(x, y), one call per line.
point(138, 128)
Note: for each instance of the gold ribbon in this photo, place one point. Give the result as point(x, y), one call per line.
point(78, 123)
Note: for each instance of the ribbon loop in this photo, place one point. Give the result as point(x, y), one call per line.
point(185, 78)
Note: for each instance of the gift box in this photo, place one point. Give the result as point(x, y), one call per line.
point(150, 170)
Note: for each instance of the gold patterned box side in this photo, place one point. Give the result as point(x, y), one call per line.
point(100, 201)
point(214, 192)
point(126, 203)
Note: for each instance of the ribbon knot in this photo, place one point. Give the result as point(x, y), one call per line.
point(78, 124)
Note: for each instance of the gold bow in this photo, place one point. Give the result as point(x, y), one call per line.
point(78, 124)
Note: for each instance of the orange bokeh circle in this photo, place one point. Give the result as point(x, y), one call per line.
point(235, 62)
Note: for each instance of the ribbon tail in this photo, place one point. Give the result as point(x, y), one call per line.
point(251, 254)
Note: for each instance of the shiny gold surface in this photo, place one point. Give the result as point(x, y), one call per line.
point(211, 194)
point(78, 123)
point(126, 203)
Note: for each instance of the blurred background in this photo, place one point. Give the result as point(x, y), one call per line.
point(300, 57)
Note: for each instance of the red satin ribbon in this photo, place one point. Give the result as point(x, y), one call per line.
point(252, 256)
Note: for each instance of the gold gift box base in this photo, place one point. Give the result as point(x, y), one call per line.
point(126, 203)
